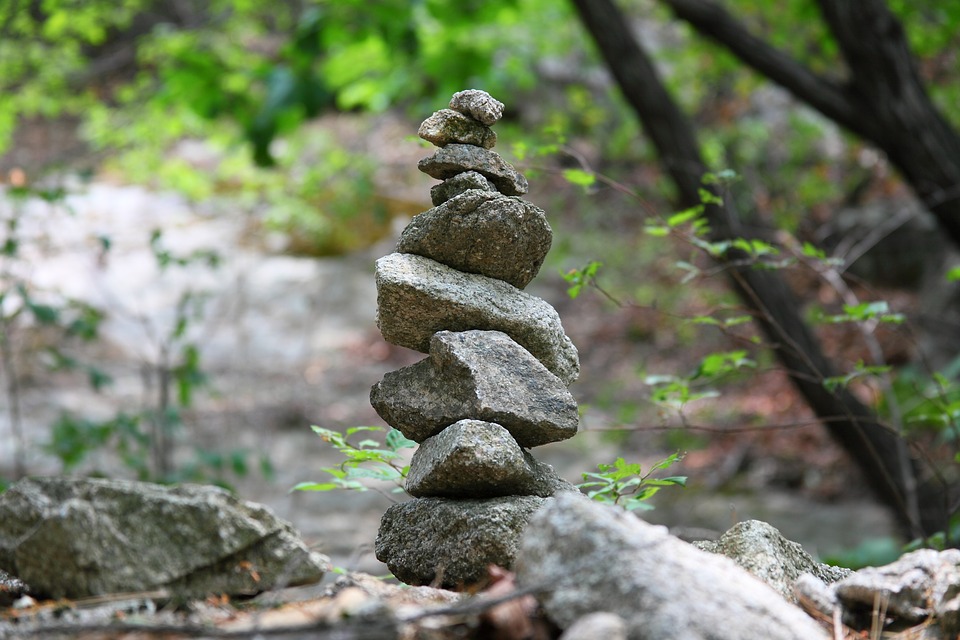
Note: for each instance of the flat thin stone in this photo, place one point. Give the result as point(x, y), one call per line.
point(476, 459)
point(481, 232)
point(477, 374)
point(452, 187)
point(458, 158)
point(450, 543)
point(448, 126)
point(477, 104)
point(417, 296)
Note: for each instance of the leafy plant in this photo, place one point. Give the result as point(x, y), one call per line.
point(625, 485)
point(364, 461)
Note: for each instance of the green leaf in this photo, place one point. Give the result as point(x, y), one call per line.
point(395, 441)
point(579, 177)
point(953, 275)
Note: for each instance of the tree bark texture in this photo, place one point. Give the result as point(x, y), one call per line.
point(882, 98)
point(878, 451)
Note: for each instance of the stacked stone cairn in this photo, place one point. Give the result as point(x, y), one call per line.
point(495, 381)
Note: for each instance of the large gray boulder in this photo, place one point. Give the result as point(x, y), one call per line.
point(452, 187)
point(483, 375)
point(78, 537)
point(450, 543)
point(763, 551)
point(417, 296)
point(475, 459)
point(590, 557)
point(448, 126)
point(457, 158)
point(482, 232)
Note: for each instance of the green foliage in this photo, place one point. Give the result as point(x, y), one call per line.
point(626, 485)
point(364, 461)
point(579, 278)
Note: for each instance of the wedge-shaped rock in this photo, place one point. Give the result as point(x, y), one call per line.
point(77, 537)
point(477, 104)
point(450, 543)
point(452, 187)
point(476, 459)
point(481, 232)
point(417, 296)
point(458, 158)
point(482, 375)
point(448, 126)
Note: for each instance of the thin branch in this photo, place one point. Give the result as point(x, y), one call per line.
point(824, 95)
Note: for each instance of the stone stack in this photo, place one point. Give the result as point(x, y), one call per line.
point(495, 380)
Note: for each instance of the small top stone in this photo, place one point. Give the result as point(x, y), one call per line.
point(446, 126)
point(477, 104)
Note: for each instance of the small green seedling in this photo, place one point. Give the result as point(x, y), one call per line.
point(626, 485)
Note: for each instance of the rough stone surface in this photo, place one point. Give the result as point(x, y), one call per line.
point(417, 296)
point(597, 626)
point(593, 557)
point(446, 126)
point(75, 537)
point(919, 585)
point(481, 232)
point(760, 549)
point(476, 459)
point(477, 104)
point(482, 375)
point(452, 187)
point(449, 543)
point(454, 159)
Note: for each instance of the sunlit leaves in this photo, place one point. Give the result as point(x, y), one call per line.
point(363, 460)
point(624, 484)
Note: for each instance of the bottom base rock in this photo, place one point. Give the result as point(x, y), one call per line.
point(450, 543)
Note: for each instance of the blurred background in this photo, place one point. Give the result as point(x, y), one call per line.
point(194, 193)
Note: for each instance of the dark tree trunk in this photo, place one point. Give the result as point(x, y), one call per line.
point(882, 98)
point(879, 452)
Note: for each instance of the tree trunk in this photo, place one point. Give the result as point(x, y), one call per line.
point(878, 451)
point(882, 98)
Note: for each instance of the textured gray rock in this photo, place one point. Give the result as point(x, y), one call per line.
point(482, 375)
point(597, 626)
point(476, 459)
point(922, 584)
point(477, 104)
point(482, 232)
point(449, 543)
point(417, 296)
point(448, 126)
point(591, 557)
point(760, 549)
point(74, 537)
point(452, 187)
point(458, 158)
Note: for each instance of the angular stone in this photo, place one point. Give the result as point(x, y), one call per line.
point(482, 375)
point(417, 296)
point(76, 537)
point(452, 187)
point(477, 104)
point(592, 557)
point(450, 543)
point(481, 232)
point(458, 158)
point(475, 459)
point(446, 126)
point(760, 549)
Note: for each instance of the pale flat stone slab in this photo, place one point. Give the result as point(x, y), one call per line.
point(417, 296)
